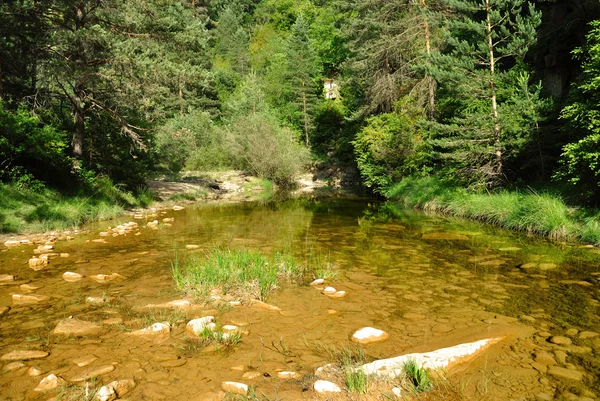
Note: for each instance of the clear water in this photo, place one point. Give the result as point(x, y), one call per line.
point(400, 273)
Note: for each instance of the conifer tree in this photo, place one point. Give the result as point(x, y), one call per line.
point(486, 39)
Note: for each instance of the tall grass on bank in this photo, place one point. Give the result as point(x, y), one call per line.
point(539, 213)
point(240, 274)
point(42, 209)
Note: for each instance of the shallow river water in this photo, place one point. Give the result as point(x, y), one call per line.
point(428, 281)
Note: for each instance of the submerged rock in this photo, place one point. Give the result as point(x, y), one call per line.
point(191, 246)
point(4, 310)
point(338, 294)
point(564, 373)
point(93, 372)
point(178, 304)
point(105, 278)
point(250, 375)
point(318, 281)
point(20, 299)
point(6, 278)
point(324, 386)
point(37, 263)
point(23, 355)
point(368, 335)
point(329, 291)
point(71, 277)
point(76, 327)
point(49, 383)
point(235, 388)
point(560, 340)
point(156, 328)
point(84, 361)
point(11, 242)
point(9, 367)
point(33, 371)
point(445, 236)
point(261, 305)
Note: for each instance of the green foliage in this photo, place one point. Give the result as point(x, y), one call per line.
point(260, 145)
point(30, 149)
point(581, 159)
point(487, 113)
point(25, 209)
point(243, 274)
point(190, 140)
point(539, 213)
point(389, 148)
point(418, 377)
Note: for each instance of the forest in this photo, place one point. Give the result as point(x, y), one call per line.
point(426, 100)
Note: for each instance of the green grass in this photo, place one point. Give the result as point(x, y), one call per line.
point(241, 274)
point(543, 214)
point(417, 376)
point(25, 210)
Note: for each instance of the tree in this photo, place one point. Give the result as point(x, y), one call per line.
point(486, 39)
point(388, 41)
point(580, 161)
point(302, 70)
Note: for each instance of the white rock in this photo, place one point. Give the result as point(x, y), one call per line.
point(318, 281)
point(196, 326)
point(156, 328)
point(5, 278)
point(439, 359)
point(323, 386)
point(192, 246)
point(250, 375)
point(368, 335)
point(229, 328)
point(106, 393)
point(48, 383)
point(11, 242)
point(33, 371)
point(338, 294)
point(397, 392)
point(235, 388)
point(178, 207)
point(288, 375)
point(71, 277)
point(329, 291)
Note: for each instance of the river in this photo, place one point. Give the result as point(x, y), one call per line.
point(426, 280)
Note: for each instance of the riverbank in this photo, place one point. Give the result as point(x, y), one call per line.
point(543, 214)
point(39, 210)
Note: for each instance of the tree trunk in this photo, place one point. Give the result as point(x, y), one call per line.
point(79, 91)
point(430, 81)
point(497, 128)
point(305, 113)
point(78, 122)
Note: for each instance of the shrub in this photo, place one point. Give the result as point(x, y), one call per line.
point(259, 144)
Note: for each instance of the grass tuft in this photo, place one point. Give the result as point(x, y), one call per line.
point(240, 274)
point(538, 213)
point(417, 376)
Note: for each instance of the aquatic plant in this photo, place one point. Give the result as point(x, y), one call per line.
point(417, 376)
point(242, 274)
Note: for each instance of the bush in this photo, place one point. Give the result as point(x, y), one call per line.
point(387, 149)
point(30, 150)
point(190, 141)
point(260, 145)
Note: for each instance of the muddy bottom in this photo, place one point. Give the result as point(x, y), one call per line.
point(428, 282)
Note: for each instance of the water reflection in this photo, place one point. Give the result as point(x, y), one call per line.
point(428, 281)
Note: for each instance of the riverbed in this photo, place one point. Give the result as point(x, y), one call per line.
point(426, 280)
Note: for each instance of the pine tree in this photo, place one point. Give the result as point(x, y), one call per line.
point(486, 39)
point(302, 70)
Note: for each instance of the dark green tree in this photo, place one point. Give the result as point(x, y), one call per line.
point(479, 79)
